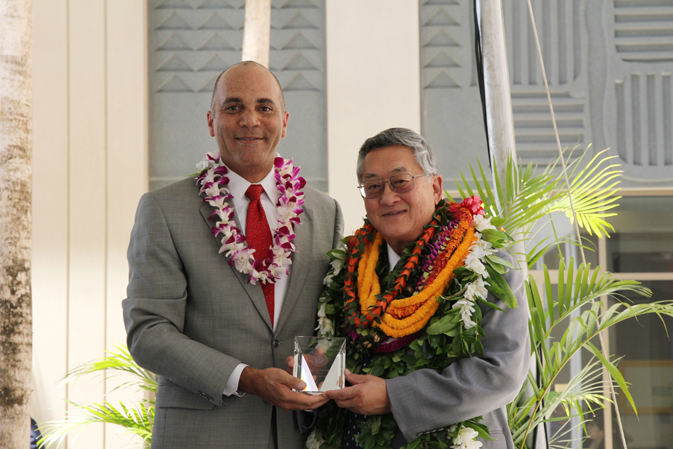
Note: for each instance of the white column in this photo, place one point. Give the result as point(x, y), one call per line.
point(127, 172)
point(89, 171)
point(50, 208)
point(257, 31)
point(373, 83)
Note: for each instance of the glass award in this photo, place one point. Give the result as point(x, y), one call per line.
point(320, 363)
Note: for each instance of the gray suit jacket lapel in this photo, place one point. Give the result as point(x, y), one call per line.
point(254, 292)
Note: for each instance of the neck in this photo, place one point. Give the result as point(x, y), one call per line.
point(252, 176)
point(398, 246)
point(254, 179)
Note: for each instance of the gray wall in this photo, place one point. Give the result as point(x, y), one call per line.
point(608, 64)
point(192, 41)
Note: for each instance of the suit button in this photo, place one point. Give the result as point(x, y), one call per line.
point(276, 343)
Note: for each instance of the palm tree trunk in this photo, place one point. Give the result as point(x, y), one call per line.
point(257, 31)
point(16, 17)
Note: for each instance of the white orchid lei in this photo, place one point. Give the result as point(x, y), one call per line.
point(459, 317)
point(213, 183)
point(476, 290)
point(466, 438)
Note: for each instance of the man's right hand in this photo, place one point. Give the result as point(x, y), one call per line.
point(275, 387)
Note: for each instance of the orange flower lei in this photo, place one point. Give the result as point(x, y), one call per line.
point(405, 316)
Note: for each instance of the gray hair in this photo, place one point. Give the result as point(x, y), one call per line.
point(424, 155)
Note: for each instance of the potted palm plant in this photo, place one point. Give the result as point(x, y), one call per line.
point(519, 204)
point(136, 418)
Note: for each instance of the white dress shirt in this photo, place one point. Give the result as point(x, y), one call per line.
point(393, 258)
point(237, 187)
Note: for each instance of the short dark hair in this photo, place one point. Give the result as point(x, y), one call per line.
point(424, 155)
point(217, 81)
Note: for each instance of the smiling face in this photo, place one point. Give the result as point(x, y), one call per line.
point(248, 120)
point(400, 217)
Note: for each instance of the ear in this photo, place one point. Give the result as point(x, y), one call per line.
point(437, 191)
point(286, 117)
point(210, 118)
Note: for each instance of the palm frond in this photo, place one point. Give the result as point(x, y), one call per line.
point(585, 387)
point(593, 191)
point(578, 290)
point(574, 308)
point(524, 197)
point(136, 420)
point(543, 246)
point(119, 360)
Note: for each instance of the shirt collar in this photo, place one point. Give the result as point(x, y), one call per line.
point(238, 185)
point(393, 258)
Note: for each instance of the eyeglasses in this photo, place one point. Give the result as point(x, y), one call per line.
point(374, 188)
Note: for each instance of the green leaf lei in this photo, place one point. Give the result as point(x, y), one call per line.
point(444, 339)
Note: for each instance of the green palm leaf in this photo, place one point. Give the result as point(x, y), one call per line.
point(137, 420)
point(575, 310)
point(591, 194)
point(120, 361)
point(525, 198)
point(585, 387)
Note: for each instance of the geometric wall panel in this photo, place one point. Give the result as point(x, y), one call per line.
point(192, 41)
point(559, 24)
point(643, 30)
point(533, 128)
point(444, 49)
point(644, 120)
point(451, 119)
point(637, 106)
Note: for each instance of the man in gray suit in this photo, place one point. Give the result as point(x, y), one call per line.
point(401, 190)
point(217, 342)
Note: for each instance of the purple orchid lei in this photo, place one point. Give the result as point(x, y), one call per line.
point(436, 246)
point(213, 183)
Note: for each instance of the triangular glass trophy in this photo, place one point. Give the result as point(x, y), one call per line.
point(320, 363)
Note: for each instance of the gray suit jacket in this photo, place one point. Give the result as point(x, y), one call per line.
point(191, 318)
point(426, 400)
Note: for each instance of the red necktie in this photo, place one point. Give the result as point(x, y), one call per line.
point(258, 235)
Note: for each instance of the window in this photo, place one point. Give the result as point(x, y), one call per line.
point(641, 249)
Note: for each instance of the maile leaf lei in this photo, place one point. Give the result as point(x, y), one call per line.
point(424, 314)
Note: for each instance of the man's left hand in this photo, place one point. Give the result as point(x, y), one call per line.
point(367, 396)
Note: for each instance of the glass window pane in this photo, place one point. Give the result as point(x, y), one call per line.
point(647, 365)
point(551, 258)
point(643, 239)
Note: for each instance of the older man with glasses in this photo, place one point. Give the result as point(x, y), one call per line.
point(434, 355)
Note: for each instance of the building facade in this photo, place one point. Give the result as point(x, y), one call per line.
point(121, 90)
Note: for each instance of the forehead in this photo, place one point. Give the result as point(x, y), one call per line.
point(389, 161)
point(248, 83)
